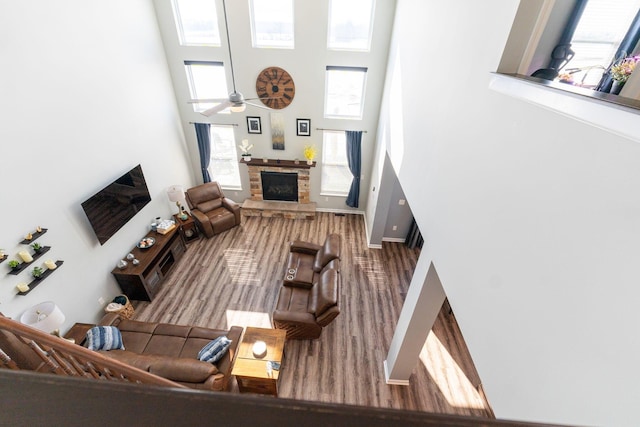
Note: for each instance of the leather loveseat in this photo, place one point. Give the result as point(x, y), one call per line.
point(171, 351)
point(307, 260)
point(309, 297)
point(213, 212)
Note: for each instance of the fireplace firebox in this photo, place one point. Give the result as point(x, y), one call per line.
point(279, 186)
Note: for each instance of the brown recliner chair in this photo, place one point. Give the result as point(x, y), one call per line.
point(303, 312)
point(308, 260)
point(213, 212)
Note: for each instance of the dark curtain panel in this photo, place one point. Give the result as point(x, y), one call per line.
point(204, 147)
point(354, 150)
point(414, 238)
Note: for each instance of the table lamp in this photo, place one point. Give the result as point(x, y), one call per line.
point(176, 194)
point(45, 316)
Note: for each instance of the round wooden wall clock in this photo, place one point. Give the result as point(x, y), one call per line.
point(275, 87)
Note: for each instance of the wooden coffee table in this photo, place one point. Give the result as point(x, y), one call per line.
point(250, 371)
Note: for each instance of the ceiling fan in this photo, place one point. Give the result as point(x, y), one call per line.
point(236, 100)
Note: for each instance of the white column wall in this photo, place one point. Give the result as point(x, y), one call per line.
point(531, 217)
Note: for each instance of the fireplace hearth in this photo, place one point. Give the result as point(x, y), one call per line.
point(279, 186)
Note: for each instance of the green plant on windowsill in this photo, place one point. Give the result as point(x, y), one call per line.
point(14, 264)
point(622, 69)
point(37, 272)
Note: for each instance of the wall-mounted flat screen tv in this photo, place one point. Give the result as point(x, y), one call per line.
point(112, 207)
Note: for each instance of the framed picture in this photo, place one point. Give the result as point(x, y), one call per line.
point(304, 127)
point(253, 125)
point(277, 131)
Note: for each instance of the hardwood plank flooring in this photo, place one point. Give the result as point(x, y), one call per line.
point(234, 279)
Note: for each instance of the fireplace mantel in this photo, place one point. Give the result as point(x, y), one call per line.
point(302, 164)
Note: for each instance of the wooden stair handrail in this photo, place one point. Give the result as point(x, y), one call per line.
point(67, 359)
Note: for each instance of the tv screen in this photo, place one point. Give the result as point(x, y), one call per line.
point(112, 207)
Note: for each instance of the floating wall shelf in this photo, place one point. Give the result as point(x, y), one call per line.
point(35, 235)
point(24, 265)
point(36, 282)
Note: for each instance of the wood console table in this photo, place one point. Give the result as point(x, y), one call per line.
point(142, 281)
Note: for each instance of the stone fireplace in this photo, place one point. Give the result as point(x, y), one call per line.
point(287, 183)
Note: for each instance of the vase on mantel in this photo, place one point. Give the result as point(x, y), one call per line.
point(616, 87)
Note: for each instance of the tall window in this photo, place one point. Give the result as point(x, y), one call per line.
point(344, 96)
point(336, 176)
point(599, 32)
point(350, 24)
point(197, 22)
point(206, 81)
point(272, 23)
point(224, 159)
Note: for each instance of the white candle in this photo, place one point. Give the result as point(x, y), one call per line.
point(26, 257)
point(50, 264)
point(22, 287)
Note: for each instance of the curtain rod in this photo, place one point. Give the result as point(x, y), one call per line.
point(219, 124)
point(337, 130)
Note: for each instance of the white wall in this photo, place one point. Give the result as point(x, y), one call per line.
point(306, 64)
point(86, 95)
point(532, 219)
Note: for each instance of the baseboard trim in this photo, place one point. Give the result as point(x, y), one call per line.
point(393, 239)
point(342, 211)
point(390, 381)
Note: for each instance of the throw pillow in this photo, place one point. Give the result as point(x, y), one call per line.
point(214, 350)
point(104, 338)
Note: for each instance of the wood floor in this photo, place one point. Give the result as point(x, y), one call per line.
point(234, 278)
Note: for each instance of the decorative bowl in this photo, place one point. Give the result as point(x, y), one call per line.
point(145, 243)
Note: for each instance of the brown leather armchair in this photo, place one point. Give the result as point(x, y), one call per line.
point(213, 212)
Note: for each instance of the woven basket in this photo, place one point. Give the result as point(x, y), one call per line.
point(126, 311)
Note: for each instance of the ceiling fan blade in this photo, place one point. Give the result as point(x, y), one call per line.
point(258, 105)
point(214, 110)
point(206, 101)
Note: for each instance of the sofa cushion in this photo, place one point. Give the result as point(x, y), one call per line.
point(214, 350)
point(324, 293)
point(104, 338)
point(165, 345)
point(329, 251)
point(172, 368)
point(135, 341)
point(198, 338)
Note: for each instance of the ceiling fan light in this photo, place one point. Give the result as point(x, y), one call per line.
point(238, 108)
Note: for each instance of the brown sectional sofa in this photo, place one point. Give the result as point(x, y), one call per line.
point(171, 351)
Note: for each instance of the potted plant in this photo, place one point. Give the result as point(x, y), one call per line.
point(36, 247)
point(14, 264)
point(37, 272)
point(310, 153)
point(245, 147)
point(620, 72)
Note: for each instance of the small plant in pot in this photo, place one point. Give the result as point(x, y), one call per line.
point(37, 272)
point(245, 147)
point(36, 247)
point(14, 264)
